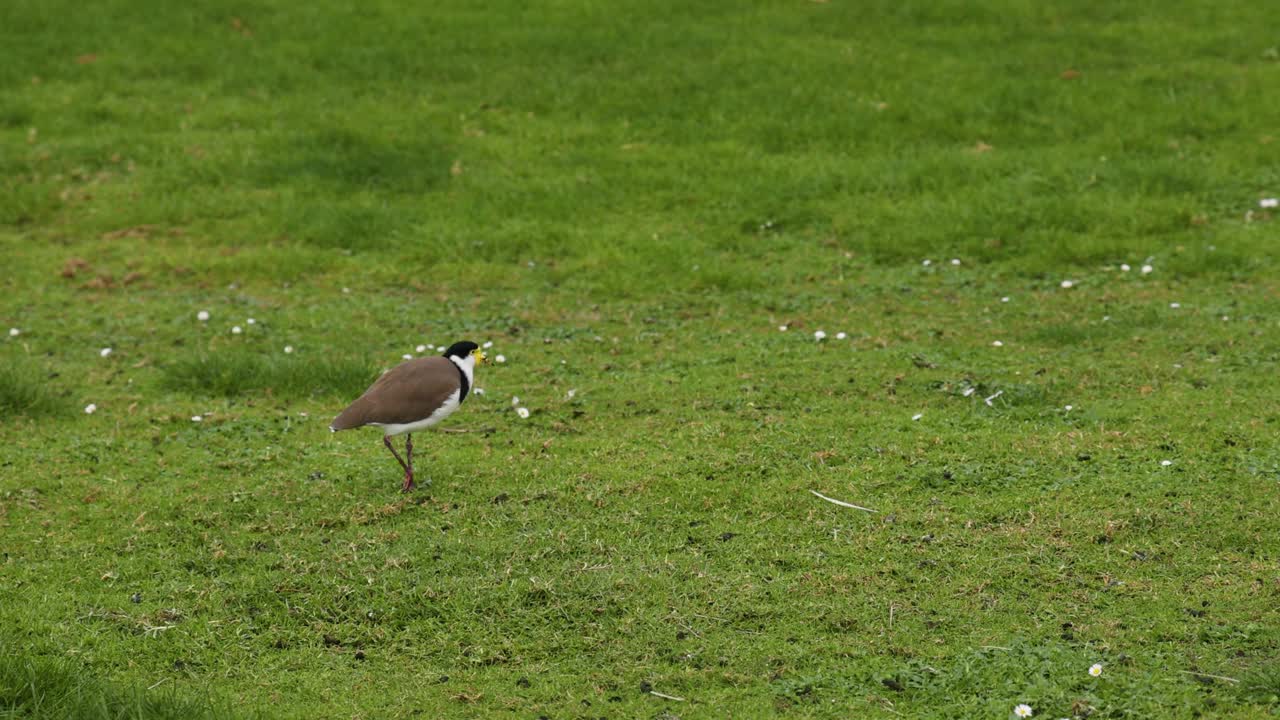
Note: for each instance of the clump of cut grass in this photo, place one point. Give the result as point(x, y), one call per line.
point(51, 688)
point(25, 391)
point(231, 374)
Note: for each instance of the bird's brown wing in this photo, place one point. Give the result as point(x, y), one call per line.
point(409, 392)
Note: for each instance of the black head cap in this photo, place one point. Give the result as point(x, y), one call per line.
point(461, 350)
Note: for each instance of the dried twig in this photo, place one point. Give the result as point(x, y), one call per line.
point(841, 503)
point(664, 696)
point(1215, 677)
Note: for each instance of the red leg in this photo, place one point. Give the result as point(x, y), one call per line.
point(408, 469)
point(386, 440)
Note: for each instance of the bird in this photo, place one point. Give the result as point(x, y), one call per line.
point(412, 396)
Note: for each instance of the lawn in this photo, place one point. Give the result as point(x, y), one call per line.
point(1004, 273)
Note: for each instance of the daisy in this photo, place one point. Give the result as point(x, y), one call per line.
point(500, 359)
point(202, 316)
point(104, 352)
point(1067, 283)
point(523, 412)
point(478, 391)
point(251, 321)
point(407, 356)
point(1124, 267)
point(782, 328)
point(420, 349)
point(197, 418)
point(927, 263)
point(1095, 669)
point(917, 416)
point(820, 335)
point(841, 336)
point(955, 261)
point(236, 330)
point(1269, 202)
point(1023, 710)
point(1004, 299)
point(1175, 306)
point(14, 332)
point(515, 400)
point(997, 343)
point(1146, 269)
point(571, 393)
point(90, 409)
point(488, 344)
point(288, 349)
point(1166, 463)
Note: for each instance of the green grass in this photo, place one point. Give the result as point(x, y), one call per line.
point(629, 202)
point(54, 688)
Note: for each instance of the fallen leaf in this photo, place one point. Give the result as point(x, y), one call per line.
point(102, 282)
point(137, 231)
point(73, 266)
point(1070, 74)
point(982, 147)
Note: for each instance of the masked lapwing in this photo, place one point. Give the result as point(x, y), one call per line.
point(412, 396)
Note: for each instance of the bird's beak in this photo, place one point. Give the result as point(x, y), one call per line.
point(479, 356)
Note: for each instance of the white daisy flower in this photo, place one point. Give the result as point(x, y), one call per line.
point(478, 391)
point(1166, 463)
point(1095, 669)
point(420, 349)
point(251, 321)
point(90, 409)
point(104, 352)
point(1004, 299)
point(1175, 305)
point(1067, 283)
point(1022, 710)
point(500, 359)
point(197, 418)
point(571, 393)
point(917, 416)
point(820, 335)
point(927, 262)
point(1146, 269)
point(488, 344)
point(346, 291)
point(288, 349)
point(1067, 408)
point(841, 336)
point(236, 330)
point(14, 332)
point(997, 343)
point(202, 316)
point(515, 400)
point(955, 261)
point(407, 356)
point(1124, 267)
point(782, 328)
point(523, 412)
point(1269, 202)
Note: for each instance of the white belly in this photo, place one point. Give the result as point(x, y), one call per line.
point(441, 413)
